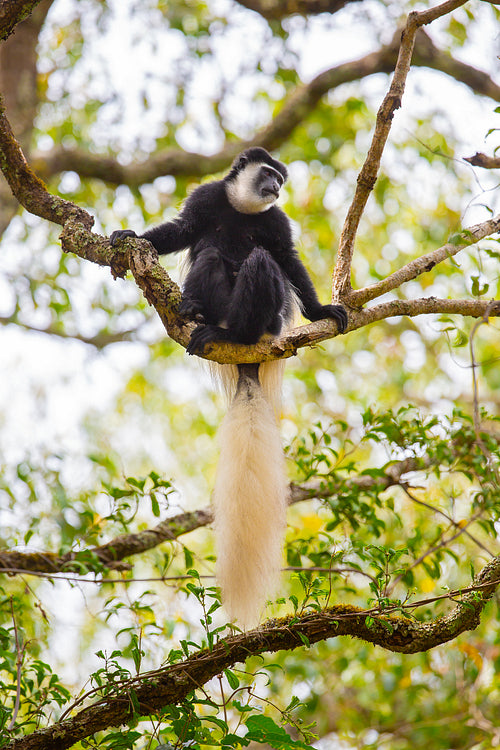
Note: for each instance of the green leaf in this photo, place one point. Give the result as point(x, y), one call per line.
point(137, 483)
point(476, 288)
point(155, 507)
point(461, 338)
point(264, 730)
point(304, 639)
point(232, 679)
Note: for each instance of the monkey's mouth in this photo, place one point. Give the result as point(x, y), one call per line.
point(270, 191)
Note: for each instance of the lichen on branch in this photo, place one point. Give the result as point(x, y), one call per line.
point(171, 684)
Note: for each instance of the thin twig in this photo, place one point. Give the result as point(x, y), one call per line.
point(424, 263)
point(318, 569)
point(430, 550)
point(368, 175)
point(475, 392)
point(59, 576)
point(19, 663)
point(449, 519)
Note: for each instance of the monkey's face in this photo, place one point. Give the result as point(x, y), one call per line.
point(255, 188)
point(268, 183)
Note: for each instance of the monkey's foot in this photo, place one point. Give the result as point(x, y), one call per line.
point(337, 312)
point(203, 335)
point(193, 309)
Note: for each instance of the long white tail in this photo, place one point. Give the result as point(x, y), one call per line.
point(250, 501)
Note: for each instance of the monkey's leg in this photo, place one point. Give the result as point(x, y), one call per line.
point(255, 305)
point(257, 299)
point(207, 288)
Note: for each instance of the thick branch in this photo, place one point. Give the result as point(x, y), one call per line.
point(141, 257)
point(277, 10)
point(161, 292)
point(171, 685)
point(294, 111)
point(368, 174)
point(164, 295)
point(128, 545)
point(27, 187)
point(483, 160)
point(424, 263)
point(18, 84)
point(13, 12)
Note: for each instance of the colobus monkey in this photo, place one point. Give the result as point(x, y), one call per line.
point(243, 281)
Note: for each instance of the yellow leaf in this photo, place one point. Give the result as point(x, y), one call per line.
point(427, 585)
point(472, 653)
point(312, 522)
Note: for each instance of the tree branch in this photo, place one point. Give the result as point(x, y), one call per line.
point(107, 555)
point(276, 10)
point(13, 12)
point(127, 545)
point(18, 84)
point(100, 340)
point(426, 54)
point(160, 291)
point(293, 112)
point(170, 685)
point(368, 175)
point(424, 263)
point(483, 160)
point(288, 344)
point(27, 187)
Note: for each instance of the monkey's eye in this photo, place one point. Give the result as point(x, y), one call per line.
point(270, 172)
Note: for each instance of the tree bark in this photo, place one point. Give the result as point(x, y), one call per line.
point(293, 112)
point(276, 10)
point(18, 80)
point(172, 684)
point(483, 160)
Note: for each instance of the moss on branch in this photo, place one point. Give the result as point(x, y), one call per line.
point(172, 684)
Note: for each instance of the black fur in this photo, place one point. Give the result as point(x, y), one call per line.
point(243, 266)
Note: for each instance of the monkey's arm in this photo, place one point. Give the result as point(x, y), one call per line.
point(185, 229)
point(170, 237)
point(311, 306)
point(166, 238)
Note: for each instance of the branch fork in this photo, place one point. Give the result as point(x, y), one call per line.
point(162, 293)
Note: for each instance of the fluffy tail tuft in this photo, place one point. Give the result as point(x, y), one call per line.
point(250, 501)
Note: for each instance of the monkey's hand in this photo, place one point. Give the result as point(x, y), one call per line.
point(120, 234)
point(205, 334)
point(337, 312)
point(191, 308)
